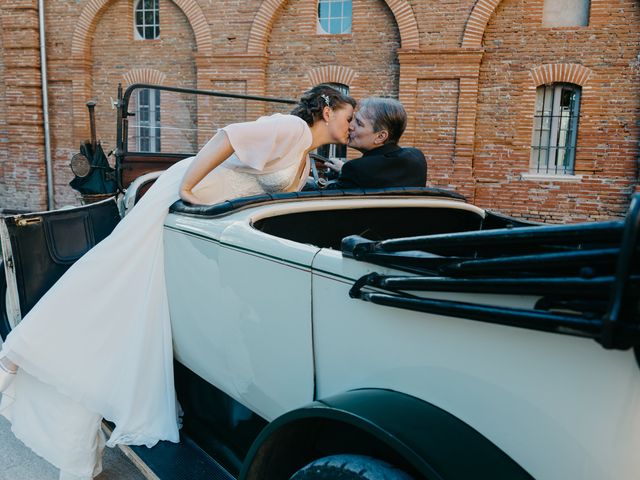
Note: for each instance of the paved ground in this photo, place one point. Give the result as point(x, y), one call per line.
point(17, 462)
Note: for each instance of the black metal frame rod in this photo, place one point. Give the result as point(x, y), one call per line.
point(211, 93)
point(559, 234)
point(534, 262)
point(517, 265)
point(575, 325)
point(622, 301)
point(574, 286)
point(415, 262)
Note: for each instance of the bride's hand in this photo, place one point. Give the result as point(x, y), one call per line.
point(216, 151)
point(188, 196)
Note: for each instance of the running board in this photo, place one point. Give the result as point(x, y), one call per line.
point(173, 461)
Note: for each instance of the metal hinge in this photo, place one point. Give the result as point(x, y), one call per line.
point(23, 222)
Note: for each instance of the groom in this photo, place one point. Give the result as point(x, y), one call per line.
point(375, 131)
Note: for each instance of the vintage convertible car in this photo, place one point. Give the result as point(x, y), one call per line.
point(379, 334)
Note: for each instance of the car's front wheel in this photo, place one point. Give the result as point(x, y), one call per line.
point(349, 467)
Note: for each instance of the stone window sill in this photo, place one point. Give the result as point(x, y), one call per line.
point(543, 177)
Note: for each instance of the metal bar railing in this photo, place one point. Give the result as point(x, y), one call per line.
point(123, 113)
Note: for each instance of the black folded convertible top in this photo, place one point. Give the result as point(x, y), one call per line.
point(587, 276)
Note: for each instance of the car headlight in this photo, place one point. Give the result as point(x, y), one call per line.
point(80, 165)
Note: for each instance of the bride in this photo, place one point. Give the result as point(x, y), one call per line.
point(83, 354)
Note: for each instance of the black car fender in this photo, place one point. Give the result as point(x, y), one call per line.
point(416, 436)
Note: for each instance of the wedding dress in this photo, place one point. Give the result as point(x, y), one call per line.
point(98, 344)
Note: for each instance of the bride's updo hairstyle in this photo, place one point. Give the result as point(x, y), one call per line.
point(313, 101)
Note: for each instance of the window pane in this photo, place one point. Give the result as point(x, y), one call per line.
point(323, 150)
point(346, 25)
point(546, 120)
point(567, 98)
point(560, 166)
point(157, 99)
point(330, 150)
point(336, 9)
point(565, 13)
point(147, 19)
point(547, 105)
point(543, 139)
point(324, 23)
point(335, 25)
point(554, 129)
point(347, 17)
point(147, 120)
point(334, 16)
point(323, 10)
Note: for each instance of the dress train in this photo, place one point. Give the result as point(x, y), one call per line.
point(98, 344)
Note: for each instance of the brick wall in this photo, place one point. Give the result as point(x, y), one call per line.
point(24, 171)
point(607, 145)
point(465, 71)
point(436, 113)
point(371, 49)
point(4, 139)
point(116, 51)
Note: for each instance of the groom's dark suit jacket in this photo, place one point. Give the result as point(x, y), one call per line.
point(385, 166)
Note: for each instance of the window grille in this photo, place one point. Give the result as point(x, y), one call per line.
point(334, 16)
point(332, 150)
point(555, 129)
point(147, 16)
point(148, 120)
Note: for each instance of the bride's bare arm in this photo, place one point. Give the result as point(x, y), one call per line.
point(216, 151)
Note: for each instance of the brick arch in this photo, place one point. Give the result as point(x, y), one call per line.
point(332, 74)
point(561, 72)
point(143, 75)
point(477, 23)
point(268, 11)
point(91, 12)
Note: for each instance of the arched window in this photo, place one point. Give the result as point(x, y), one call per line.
point(555, 129)
point(334, 16)
point(148, 120)
point(332, 150)
point(147, 17)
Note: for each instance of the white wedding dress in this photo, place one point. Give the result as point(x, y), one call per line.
point(98, 344)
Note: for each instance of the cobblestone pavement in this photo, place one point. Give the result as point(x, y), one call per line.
point(17, 462)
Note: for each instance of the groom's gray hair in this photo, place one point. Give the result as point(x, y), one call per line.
point(385, 114)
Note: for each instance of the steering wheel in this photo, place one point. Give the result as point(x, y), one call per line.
point(320, 181)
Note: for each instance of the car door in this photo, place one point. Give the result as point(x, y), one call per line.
point(37, 248)
point(240, 305)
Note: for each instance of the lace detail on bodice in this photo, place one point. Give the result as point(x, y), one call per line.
point(229, 183)
point(277, 181)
